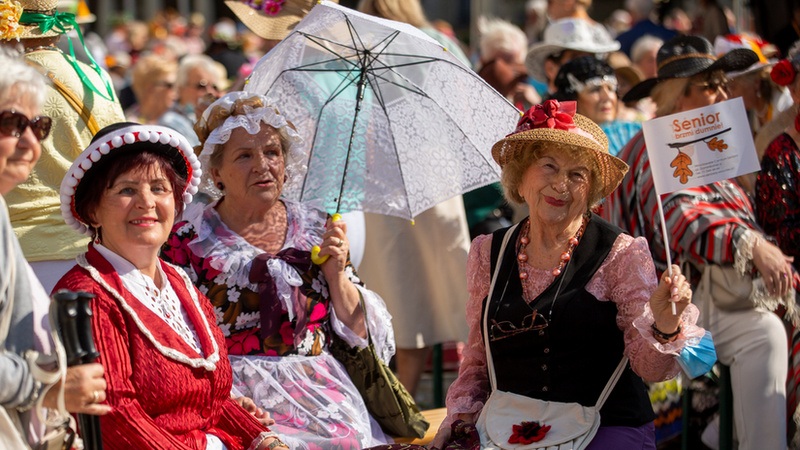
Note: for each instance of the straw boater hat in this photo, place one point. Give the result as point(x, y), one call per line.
point(557, 122)
point(687, 56)
point(271, 19)
point(125, 137)
point(21, 19)
point(568, 34)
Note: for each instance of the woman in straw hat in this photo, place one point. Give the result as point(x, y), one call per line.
point(715, 224)
point(572, 290)
point(272, 20)
point(169, 379)
point(81, 100)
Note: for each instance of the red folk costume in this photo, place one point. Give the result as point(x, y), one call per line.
point(164, 394)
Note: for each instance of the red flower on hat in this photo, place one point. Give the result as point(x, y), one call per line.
point(783, 73)
point(550, 114)
point(528, 433)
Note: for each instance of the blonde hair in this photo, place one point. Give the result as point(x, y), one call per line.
point(147, 70)
point(407, 11)
point(514, 170)
point(667, 93)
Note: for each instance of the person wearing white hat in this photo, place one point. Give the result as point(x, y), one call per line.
point(169, 379)
point(81, 100)
point(566, 39)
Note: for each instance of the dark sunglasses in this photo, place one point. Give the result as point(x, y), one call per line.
point(712, 85)
point(13, 123)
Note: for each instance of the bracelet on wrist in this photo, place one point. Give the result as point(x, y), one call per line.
point(276, 443)
point(665, 336)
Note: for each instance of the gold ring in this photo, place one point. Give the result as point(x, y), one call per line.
point(95, 397)
point(339, 242)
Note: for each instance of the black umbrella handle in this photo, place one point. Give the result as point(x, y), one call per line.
point(85, 327)
point(67, 324)
point(74, 322)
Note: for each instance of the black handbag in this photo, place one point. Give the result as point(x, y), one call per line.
point(386, 398)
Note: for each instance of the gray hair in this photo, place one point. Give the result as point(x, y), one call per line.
point(19, 80)
point(643, 45)
point(190, 62)
point(501, 36)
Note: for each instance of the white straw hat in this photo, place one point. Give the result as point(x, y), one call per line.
point(568, 34)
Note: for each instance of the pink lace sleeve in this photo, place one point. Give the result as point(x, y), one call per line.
point(469, 391)
point(628, 278)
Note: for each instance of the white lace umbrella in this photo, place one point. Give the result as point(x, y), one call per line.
point(392, 121)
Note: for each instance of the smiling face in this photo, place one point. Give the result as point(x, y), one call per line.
point(252, 167)
point(556, 187)
point(136, 212)
point(18, 155)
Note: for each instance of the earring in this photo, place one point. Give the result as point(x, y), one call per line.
point(220, 186)
point(97, 240)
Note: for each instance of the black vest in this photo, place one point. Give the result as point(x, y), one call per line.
point(571, 359)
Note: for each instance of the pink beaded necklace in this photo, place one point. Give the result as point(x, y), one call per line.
point(565, 257)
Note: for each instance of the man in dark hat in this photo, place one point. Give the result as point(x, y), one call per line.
point(714, 225)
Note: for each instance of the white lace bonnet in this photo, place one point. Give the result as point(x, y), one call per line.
point(117, 136)
point(250, 121)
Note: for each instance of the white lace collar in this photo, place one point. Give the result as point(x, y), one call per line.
point(231, 255)
point(209, 363)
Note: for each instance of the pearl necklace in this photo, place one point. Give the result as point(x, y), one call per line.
point(565, 257)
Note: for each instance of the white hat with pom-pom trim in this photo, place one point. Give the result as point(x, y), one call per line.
point(128, 136)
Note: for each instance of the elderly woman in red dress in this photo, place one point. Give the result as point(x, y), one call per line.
point(169, 380)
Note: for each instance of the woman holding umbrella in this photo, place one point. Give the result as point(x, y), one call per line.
point(249, 252)
point(169, 380)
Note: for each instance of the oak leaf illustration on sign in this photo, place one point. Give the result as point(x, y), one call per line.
point(681, 164)
point(717, 144)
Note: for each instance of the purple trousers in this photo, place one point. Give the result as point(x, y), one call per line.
point(627, 438)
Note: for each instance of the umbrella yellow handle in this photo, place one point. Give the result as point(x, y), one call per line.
point(315, 258)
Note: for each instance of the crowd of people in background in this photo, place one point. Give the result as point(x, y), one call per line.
point(240, 375)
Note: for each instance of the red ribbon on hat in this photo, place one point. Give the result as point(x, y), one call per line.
point(550, 114)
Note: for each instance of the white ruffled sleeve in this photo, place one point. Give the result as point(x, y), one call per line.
point(379, 322)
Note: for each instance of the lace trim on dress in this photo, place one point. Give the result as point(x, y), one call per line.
point(208, 363)
point(743, 262)
point(230, 254)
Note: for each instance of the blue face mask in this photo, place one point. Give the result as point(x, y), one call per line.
point(698, 356)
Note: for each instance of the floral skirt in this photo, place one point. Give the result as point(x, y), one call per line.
point(312, 400)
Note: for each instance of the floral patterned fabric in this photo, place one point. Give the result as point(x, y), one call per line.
point(290, 373)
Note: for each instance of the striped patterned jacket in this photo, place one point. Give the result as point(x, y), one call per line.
point(705, 223)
